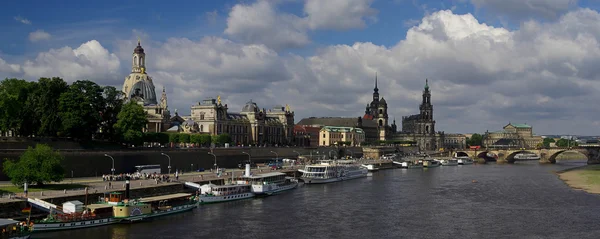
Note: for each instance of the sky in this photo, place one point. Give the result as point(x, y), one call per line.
point(488, 62)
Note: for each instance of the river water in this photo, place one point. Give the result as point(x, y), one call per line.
point(524, 200)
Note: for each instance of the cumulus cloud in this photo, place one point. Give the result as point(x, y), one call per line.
point(339, 14)
point(524, 9)
point(89, 61)
point(22, 20)
point(9, 69)
point(39, 35)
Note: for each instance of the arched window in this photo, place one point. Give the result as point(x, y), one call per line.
point(141, 61)
point(427, 129)
point(135, 61)
point(380, 111)
point(380, 122)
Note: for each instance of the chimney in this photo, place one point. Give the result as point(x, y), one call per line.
point(127, 189)
point(247, 174)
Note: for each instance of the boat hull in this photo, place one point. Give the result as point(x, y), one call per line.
point(228, 198)
point(270, 189)
point(20, 237)
point(173, 210)
point(332, 180)
point(57, 226)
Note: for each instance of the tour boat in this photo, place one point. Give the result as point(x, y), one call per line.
point(328, 171)
point(211, 193)
point(168, 204)
point(464, 160)
point(268, 183)
point(431, 163)
point(12, 229)
point(527, 156)
point(449, 162)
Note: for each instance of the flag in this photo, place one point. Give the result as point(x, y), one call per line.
point(26, 210)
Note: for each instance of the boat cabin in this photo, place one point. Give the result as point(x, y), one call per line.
point(11, 228)
point(266, 178)
point(224, 190)
point(167, 201)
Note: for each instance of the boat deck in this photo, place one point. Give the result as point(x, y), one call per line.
point(164, 197)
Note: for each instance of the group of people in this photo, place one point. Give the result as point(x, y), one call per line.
point(135, 176)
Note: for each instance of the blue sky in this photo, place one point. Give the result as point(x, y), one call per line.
point(493, 60)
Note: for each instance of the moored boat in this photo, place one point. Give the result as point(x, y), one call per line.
point(268, 183)
point(464, 160)
point(411, 164)
point(328, 171)
point(13, 229)
point(449, 162)
point(527, 156)
point(170, 204)
point(431, 163)
point(211, 193)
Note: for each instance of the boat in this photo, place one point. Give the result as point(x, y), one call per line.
point(268, 183)
point(13, 229)
point(464, 160)
point(431, 163)
point(370, 167)
point(527, 156)
point(169, 204)
point(411, 164)
point(328, 171)
point(211, 193)
point(449, 162)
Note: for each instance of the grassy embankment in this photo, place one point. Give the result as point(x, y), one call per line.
point(585, 178)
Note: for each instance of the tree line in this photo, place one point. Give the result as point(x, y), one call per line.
point(201, 140)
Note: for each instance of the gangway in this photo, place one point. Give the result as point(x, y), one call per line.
point(396, 162)
point(192, 185)
point(45, 206)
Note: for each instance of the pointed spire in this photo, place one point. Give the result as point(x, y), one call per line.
point(426, 84)
point(139, 41)
point(376, 89)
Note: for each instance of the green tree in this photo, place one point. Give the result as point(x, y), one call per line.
point(131, 122)
point(566, 143)
point(475, 140)
point(184, 138)
point(547, 142)
point(37, 165)
point(112, 106)
point(205, 139)
point(46, 105)
point(163, 138)
point(195, 139)
point(223, 139)
point(16, 107)
point(174, 138)
point(80, 108)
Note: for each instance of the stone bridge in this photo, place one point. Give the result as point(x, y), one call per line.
point(592, 152)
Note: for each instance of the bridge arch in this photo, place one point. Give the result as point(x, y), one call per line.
point(511, 157)
point(462, 154)
point(553, 157)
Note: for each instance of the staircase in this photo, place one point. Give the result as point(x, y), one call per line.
point(45, 206)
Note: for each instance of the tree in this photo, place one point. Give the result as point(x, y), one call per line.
point(205, 139)
point(16, 110)
point(223, 139)
point(37, 165)
point(46, 105)
point(131, 122)
point(112, 106)
point(184, 138)
point(547, 142)
point(475, 140)
point(195, 139)
point(174, 138)
point(80, 107)
point(566, 143)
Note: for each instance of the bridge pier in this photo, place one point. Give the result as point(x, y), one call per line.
point(545, 161)
point(502, 161)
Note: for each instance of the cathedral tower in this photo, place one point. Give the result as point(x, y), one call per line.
point(427, 124)
point(138, 85)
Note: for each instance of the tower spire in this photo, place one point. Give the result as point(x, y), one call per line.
point(376, 89)
point(426, 84)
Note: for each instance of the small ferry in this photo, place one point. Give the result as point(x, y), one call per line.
point(169, 204)
point(211, 193)
point(268, 183)
point(464, 160)
point(527, 156)
point(328, 171)
point(12, 229)
point(449, 162)
point(431, 163)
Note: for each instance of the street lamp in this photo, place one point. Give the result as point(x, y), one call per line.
point(215, 159)
point(276, 155)
point(169, 157)
point(249, 158)
point(113, 163)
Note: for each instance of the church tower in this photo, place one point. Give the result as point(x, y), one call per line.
point(138, 84)
point(426, 112)
point(139, 59)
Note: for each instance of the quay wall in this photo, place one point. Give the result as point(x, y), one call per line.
point(92, 163)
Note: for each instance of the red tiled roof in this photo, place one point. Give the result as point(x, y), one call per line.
point(368, 117)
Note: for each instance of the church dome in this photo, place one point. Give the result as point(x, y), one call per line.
point(250, 107)
point(138, 49)
point(140, 86)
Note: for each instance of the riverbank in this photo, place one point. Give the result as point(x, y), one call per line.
point(586, 178)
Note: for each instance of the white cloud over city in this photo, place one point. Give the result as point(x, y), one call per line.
point(481, 76)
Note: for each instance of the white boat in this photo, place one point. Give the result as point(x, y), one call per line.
point(211, 193)
point(449, 162)
point(370, 167)
point(527, 156)
point(464, 160)
point(411, 164)
point(431, 163)
point(329, 171)
point(268, 183)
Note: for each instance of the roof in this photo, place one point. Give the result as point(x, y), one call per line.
point(250, 107)
point(6, 222)
point(341, 129)
point(521, 125)
point(74, 202)
point(227, 186)
point(411, 117)
point(165, 197)
point(264, 175)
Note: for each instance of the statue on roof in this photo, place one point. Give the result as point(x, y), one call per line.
point(218, 99)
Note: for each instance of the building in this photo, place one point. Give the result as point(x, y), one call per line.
point(306, 136)
point(251, 126)
point(377, 111)
point(139, 87)
point(332, 135)
point(368, 126)
point(455, 141)
point(512, 136)
point(421, 127)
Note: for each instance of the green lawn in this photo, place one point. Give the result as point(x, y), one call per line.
point(15, 189)
point(592, 173)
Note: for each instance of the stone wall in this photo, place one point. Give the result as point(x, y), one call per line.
point(91, 163)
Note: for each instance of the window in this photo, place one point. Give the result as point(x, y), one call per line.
point(201, 128)
point(323, 142)
point(324, 136)
point(202, 116)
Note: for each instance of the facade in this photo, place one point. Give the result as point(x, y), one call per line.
point(421, 127)
point(250, 126)
point(332, 135)
point(306, 136)
point(368, 126)
point(455, 141)
point(512, 136)
point(139, 87)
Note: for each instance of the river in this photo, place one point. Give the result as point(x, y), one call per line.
point(524, 200)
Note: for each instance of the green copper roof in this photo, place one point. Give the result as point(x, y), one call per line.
point(341, 129)
point(521, 125)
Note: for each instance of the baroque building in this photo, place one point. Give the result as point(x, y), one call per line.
point(251, 126)
point(377, 111)
point(512, 136)
point(139, 87)
point(331, 135)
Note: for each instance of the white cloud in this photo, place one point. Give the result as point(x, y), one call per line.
point(9, 69)
point(339, 14)
point(89, 61)
point(260, 23)
point(39, 35)
point(523, 9)
point(22, 20)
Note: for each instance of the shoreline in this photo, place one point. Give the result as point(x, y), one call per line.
point(585, 178)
